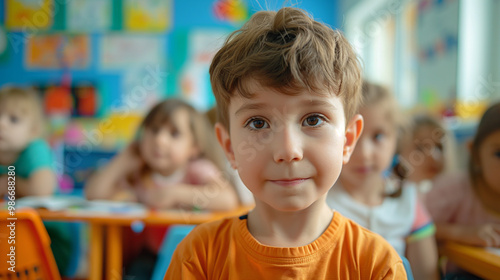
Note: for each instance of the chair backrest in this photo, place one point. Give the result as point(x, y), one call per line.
point(406, 264)
point(31, 257)
point(172, 238)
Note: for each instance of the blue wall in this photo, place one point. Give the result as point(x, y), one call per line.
point(187, 15)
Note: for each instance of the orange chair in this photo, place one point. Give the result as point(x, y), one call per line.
point(32, 257)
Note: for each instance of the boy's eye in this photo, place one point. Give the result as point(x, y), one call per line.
point(497, 154)
point(313, 121)
point(257, 124)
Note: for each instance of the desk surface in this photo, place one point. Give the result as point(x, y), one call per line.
point(476, 260)
point(109, 224)
point(149, 217)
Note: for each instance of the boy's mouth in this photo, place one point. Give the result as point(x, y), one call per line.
point(289, 182)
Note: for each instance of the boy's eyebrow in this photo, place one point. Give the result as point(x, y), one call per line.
point(250, 106)
point(257, 106)
point(318, 102)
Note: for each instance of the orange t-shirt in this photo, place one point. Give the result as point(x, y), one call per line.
point(225, 249)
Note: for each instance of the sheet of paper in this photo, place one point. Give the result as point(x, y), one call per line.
point(493, 250)
point(54, 203)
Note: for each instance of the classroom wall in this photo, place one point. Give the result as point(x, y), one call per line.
point(129, 70)
point(187, 16)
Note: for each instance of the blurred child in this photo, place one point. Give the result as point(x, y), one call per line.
point(425, 150)
point(465, 206)
point(21, 145)
point(172, 164)
point(287, 88)
point(380, 204)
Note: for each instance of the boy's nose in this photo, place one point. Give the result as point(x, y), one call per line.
point(288, 146)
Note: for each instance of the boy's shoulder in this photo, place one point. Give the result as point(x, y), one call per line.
point(216, 229)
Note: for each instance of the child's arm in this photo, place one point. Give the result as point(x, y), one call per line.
point(423, 257)
point(211, 191)
point(41, 182)
point(104, 183)
point(216, 196)
point(484, 235)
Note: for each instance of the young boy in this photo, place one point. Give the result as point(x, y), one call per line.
point(287, 89)
point(21, 125)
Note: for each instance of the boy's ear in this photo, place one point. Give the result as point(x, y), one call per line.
point(225, 142)
point(352, 133)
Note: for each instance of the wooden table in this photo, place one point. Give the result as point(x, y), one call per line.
point(111, 224)
point(476, 260)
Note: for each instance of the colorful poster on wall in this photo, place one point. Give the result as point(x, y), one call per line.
point(194, 79)
point(147, 15)
point(141, 59)
point(125, 51)
point(28, 15)
point(233, 11)
point(88, 15)
point(56, 51)
point(142, 88)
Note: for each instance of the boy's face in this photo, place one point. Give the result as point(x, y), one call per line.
point(16, 128)
point(288, 150)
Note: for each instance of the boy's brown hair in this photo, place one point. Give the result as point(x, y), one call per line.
point(287, 51)
point(26, 100)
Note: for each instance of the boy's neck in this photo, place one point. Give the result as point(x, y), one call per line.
point(8, 157)
point(289, 229)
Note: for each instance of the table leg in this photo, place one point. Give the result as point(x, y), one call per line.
point(96, 252)
point(114, 251)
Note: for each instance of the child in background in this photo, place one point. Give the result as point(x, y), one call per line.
point(464, 206)
point(172, 164)
point(425, 150)
point(287, 88)
point(381, 204)
point(21, 145)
